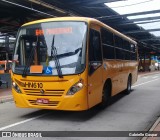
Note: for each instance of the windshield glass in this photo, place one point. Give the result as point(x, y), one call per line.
point(45, 47)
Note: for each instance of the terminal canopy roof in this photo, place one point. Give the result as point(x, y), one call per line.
point(138, 19)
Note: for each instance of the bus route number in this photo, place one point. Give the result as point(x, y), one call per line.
point(33, 85)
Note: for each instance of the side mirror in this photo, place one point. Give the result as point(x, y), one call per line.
point(93, 66)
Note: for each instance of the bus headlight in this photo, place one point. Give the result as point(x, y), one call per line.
point(75, 88)
point(15, 86)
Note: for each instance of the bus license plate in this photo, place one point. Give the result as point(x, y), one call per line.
point(42, 101)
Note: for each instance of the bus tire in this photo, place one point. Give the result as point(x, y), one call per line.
point(106, 95)
point(129, 84)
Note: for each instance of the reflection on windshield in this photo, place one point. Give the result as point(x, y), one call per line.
point(69, 41)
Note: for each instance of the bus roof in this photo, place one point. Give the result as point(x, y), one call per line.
point(59, 19)
point(85, 19)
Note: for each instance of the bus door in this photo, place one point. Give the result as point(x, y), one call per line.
point(95, 82)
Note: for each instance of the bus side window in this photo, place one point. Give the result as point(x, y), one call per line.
point(133, 52)
point(95, 51)
point(119, 46)
point(126, 47)
point(107, 44)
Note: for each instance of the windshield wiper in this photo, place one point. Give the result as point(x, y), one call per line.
point(54, 56)
point(28, 62)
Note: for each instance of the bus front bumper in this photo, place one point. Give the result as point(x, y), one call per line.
point(77, 102)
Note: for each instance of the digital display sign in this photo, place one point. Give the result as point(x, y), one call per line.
point(65, 30)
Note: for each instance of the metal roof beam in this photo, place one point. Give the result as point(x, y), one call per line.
point(148, 39)
point(141, 31)
point(143, 19)
point(110, 18)
point(28, 8)
point(93, 2)
point(156, 44)
point(131, 14)
point(132, 23)
point(8, 23)
point(44, 4)
point(142, 13)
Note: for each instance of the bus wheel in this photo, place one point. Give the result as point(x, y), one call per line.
point(106, 96)
point(129, 83)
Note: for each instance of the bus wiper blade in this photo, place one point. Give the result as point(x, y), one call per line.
point(28, 62)
point(54, 56)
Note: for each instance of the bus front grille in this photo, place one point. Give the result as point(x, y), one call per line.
point(50, 103)
point(47, 92)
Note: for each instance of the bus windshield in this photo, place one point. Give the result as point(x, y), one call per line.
point(55, 46)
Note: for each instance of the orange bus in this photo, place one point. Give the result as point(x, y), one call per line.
point(5, 66)
point(71, 63)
